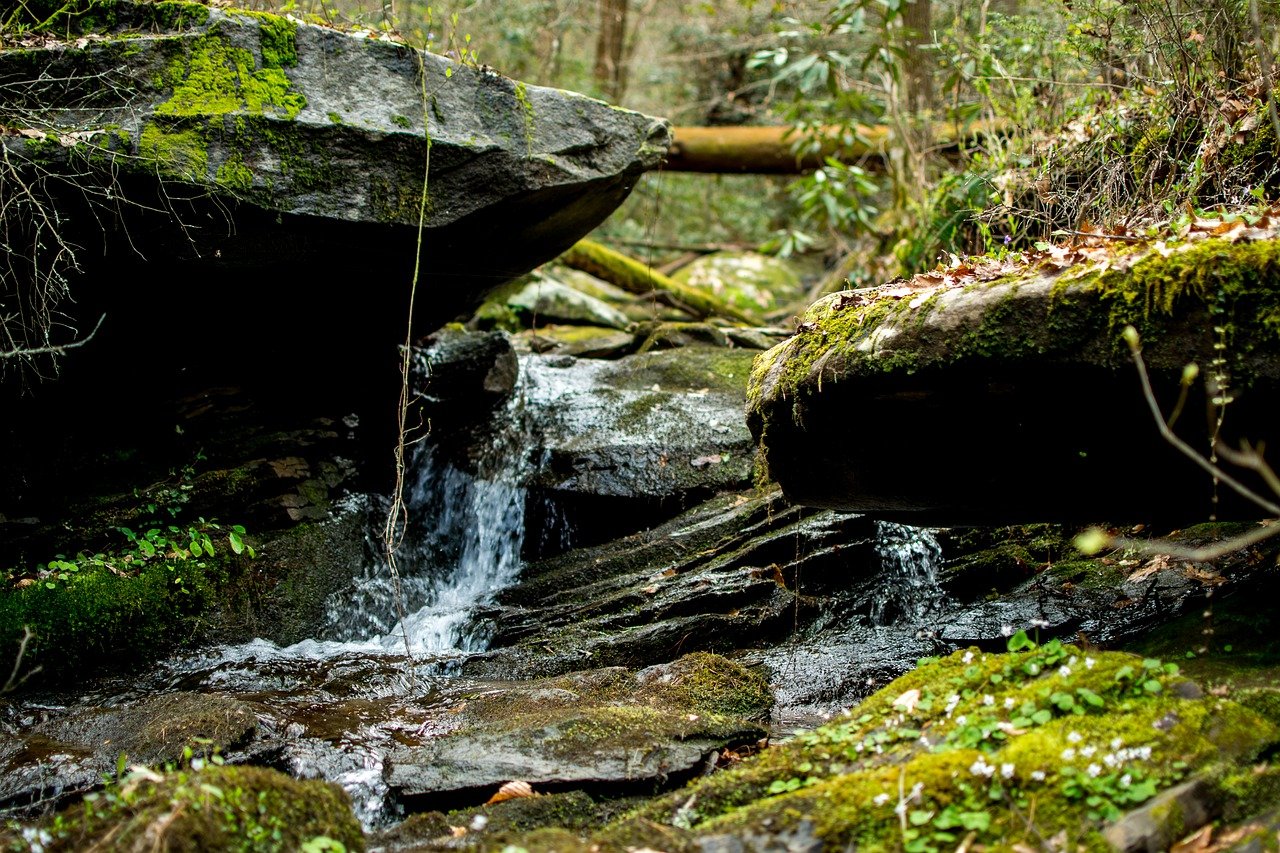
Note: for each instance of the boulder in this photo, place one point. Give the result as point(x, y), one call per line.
point(1005, 393)
point(607, 730)
point(326, 133)
point(749, 281)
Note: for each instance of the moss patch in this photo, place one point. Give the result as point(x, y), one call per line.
point(220, 808)
point(1070, 737)
point(179, 153)
point(213, 78)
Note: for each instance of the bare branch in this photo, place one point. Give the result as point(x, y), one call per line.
point(1203, 554)
point(59, 349)
point(1185, 449)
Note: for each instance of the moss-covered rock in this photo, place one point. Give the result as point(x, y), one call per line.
point(218, 808)
point(751, 282)
point(1000, 748)
point(607, 729)
point(1021, 373)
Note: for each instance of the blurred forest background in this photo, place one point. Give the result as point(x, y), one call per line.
point(1070, 114)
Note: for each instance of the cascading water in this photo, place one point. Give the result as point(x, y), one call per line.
point(909, 559)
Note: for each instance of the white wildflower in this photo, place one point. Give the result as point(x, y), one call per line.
point(1093, 770)
point(1110, 760)
point(961, 720)
point(1089, 662)
point(916, 790)
point(1039, 623)
point(968, 657)
point(1074, 737)
point(1126, 780)
point(1006, 630)
point(988, 699)
point(1008, 702)
point(982, 768)
point(1037, 775)
point(1068, 754)
point(1064, 671)
point(1088, 751)
point(881, 799)
point(1116, 743)
point(1006, 771)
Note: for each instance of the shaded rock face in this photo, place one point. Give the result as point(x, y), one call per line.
point(243, 192)
point(1016, 400)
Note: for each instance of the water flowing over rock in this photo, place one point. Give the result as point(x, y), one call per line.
point(1015, 399)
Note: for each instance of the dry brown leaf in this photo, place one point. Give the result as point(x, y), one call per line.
point(1154, 565)
point(1197, 842)
point(514, 790)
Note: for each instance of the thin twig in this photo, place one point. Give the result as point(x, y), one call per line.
point(59, 349)
point(1185, 449)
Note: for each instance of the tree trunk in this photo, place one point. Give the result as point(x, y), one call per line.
point(917, 18)
point(610, 42)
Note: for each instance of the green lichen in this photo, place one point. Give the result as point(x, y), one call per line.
point(178, 153)
point(213, 78)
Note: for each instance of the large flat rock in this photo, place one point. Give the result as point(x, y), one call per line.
point(282, 143)
point(1006, 393)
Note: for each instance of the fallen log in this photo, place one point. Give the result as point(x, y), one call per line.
point(633, 276)
point(769, 150)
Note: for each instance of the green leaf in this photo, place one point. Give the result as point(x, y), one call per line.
point(975, 821)
point(1090, 698)
point(1042, 716)
point(1152, 685)
point(919, 817)
point(237, 544)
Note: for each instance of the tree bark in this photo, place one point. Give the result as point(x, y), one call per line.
point(610, 42)
point(917, 19)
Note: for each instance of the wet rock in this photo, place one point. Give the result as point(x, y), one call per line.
point(606, 730)
point(72, 754)
point(654, 426)
point(974, 393)
point(462, 375)
point(751, 282)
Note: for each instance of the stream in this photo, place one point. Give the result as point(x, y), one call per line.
point(335, 706)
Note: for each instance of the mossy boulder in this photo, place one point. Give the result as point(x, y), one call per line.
point(217, 808)
point(749, 281)
point(1002, 749)
point(1006, 394)
point(605, 730)
point(310, 137)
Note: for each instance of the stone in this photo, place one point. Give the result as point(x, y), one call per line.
point(749, 281)
point(544, 299)
point(577, 341)
point(288, 151)
point(1168, 817)
point(605, 730)
point(1015, 399)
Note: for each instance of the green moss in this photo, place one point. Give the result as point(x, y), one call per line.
point(180, 153)
point(335, 118)
point(97, 618)
point(213, 78)
point(277, 39)
point(220, 808)
point(401, 121)
point(235, 175)
point(1071, 737)
point(526, 112)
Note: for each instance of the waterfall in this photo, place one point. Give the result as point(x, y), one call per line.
point(909, 558)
